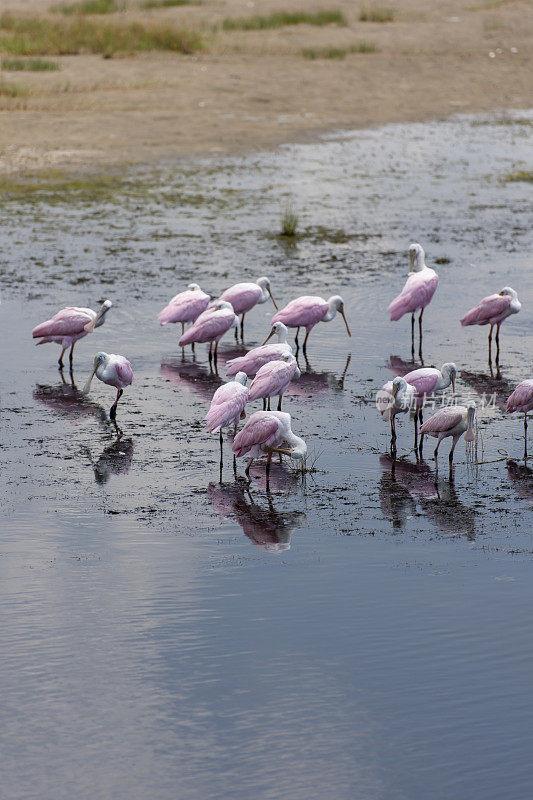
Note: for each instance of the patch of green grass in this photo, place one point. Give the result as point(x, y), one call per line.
point(377, 14)
point(25, 35)
point(280, 19)
point(149, 4)
point(521, 175)
point(289, 220)
point(504, 121)
point(90, 7)
point(29, 65)
point(8, 89)
point(338, 52)
point(54, 186)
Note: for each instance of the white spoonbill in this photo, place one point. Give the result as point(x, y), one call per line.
point(268, 432)
point(417, 293)
point(69, 325)
point(451, 421)
point(115, 371)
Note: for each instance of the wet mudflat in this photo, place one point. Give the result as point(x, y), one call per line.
point(362, 632)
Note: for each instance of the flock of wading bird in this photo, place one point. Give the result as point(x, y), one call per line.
point(273, 366)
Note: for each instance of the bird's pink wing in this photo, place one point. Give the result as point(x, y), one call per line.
point(184, 307)
point(416, 293)
point(243, 295)
point(259, 430)
point(207, 329)
point(124, 370)
point(444, 420)
point(227, 407)
point(254, 359)
point(67, 322)
point(521, 397)
point(302, 311)
point(486, 309)
point(270, 379)
point(424, 380)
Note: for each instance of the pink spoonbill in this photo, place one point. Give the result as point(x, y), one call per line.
point(211, 326)
point(115, 371)
point(255, 358)
point(522, 400)
point(451, 421)
point(493, 310)
point(417, 293)
point(307, 311)
point(185, 306)
point(426, 381)
point(227, 407)
point(244, 296)
point(273, 379)
point(266, 433)
point(395, 397)
point(69, 325)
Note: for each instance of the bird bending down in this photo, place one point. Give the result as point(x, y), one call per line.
point(268, 432)
point(274, 378)
point(69, 325)
point(426, 381)
point(451, 421)
point(522, 400)
point(115, 371)
point(244, 296)
point(185, 306)
point(211, 326)
point(307, 311)
point(417, 293)
point(395, 397)
point(256, 358)
point(227, 407)
point(493, 310)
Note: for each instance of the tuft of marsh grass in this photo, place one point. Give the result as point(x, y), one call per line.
point(26, 36)
point(8, 89)
point(338, 52)
point(280, 19)
point(29, 65)
point(57, 187)
point(90, 7)
point(521, 175)
point(377, 14)
point(289, 220)
point(150, 4)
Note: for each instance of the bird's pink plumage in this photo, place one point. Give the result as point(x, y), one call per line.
point(209, 327)
point(67, 322)
point(417, 293)
point(522, 398)
point(255, 359)
point(488, 311)
point(302, 312)
point(259, 431)
point(443, 421)
point(424, 380)
point(242, 296)
point(184, 307)
point(227, 406)
point(273, 378)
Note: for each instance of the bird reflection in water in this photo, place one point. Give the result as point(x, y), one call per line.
point(521, 476)
point(191, 377)
point(69, 401)
point(115, 459)
point(405, 486)
point(311, 382)
point(493, 389)
point(266, 528)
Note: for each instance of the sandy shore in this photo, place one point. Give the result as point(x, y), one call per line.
point(251, 89)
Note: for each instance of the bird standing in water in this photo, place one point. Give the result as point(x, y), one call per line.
point(395, 397)
point(115, 371)
point(307, 311)
point(522, 400)
point(417, 293)
point(493, 310)
point(227, 407)
point(244, 296)
point(426, 381)
point(211, 326)
point(273, 379)
point(185, 306)
point(256, 358)
point(268, 432)
point(451, 421)
point(69, 325)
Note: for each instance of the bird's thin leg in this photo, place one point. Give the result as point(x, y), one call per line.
point(413, 336)
point(490, 345)
point(210, 356)
point(242, 327)
point(192, 347)
point(304, 348)
point(279, 403)
point(247, 470)
point(182, 328)
point(436, 452)
point(498, 344)
point(269, 459)
point(221, 454)
point(235, 430)
point(416, 430)
point(113, 409)
point(234, 466)
point(60, 360)
point(264, 404)
point(268, 404)
point(70, 355)
point(215, 355)
point(296, 342)
point(420, 334)
point(525, 436)
point(450, 457)
point(236, 333)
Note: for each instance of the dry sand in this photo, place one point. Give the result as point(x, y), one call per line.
point(255, 89)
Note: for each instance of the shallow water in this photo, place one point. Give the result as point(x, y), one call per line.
point(360, 633)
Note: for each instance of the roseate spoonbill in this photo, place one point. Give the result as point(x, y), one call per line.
point(244, 296)
point(451, 421)
point(419, 288)
point(427, 381)
point(493, 310)
point(115, 371)
point(255, 358)
point(395, 397)
point(273, 379)
point(522, 400)
point(227, 407)
point(211, 326)
point(185, 306)
point(268, 432)
point(307, 311)
point(69, 325)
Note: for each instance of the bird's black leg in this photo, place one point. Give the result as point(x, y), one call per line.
point(296, 339)
point(247, 470)
point(304, 348)
point(490, 345)
point(269, 459)
point(60, 360)
point(525, 436)
point(413, 336)
point(215, 356)
point(420, 334)
point(242, 327)
point(416, 430)
point(279, 403)
point(264, 404)
point(221, 453)
point(113, 409)
point(182, 328)
point(70, 355)
point(210, 356)
point(236, 333)
point(497, 344)
point(268, 404)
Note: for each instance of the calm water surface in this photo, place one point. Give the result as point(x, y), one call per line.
point(363, 633)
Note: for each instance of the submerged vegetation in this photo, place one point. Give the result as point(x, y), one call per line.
point(289, 220)
point(280, 19)
point(90, 7)
point(29, 65)
point(8, 89)
point(377, 14)
point(521, 175)
point(313, 53)
point(25, 35)
point(150, 4)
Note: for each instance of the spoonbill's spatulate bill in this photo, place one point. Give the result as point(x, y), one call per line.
point(115, 371)
point(451, 421)
point(493, 310)
point(274, 378)
point(521, 400)
point(244, 296)
point(211, 326)
point(69, 325)
point(185, 306)
point(417, 293)
point(307, 311)
point(254, 359)
point(227, 406)
point(265, 433)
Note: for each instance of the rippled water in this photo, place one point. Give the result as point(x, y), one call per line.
point(364, 632)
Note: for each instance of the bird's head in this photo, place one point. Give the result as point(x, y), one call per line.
point(193, 287)
point(336, 303)
point(99, 360)
point(241, 377)
point(397, 385)
point(416, 257)
point(508, 292)
point(450, 370)
point(279, 330)
point(264, 283)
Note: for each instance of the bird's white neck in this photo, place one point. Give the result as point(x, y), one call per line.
point(333, 307)
point(296, 445)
